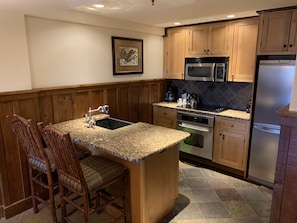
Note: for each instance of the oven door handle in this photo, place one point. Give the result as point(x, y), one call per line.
point(194, 127)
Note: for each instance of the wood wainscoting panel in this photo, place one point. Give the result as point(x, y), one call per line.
point(112, 101)
point(96, 98)
point(123, 102)
point(46, 109)
point(131, 101)
point(63, 107)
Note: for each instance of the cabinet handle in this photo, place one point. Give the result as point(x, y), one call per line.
point(290, 45)
point(285, 45)
point(232, 126)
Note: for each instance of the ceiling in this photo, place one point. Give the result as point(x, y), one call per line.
point(162, 14)
point(165, 12)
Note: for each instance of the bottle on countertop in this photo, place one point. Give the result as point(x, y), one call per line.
point(193, 101)
point(248, 106)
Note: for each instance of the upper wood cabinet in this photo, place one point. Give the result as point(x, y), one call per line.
point(278, 33)
point(209, 39)
point(174, 53)
point(243, 59)
point(231, 142)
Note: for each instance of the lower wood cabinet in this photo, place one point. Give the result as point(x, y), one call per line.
point(231, 142)
point(164, 117)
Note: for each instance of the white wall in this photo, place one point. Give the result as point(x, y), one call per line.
point(50, 45)
point(14, 62)
point(63, 53)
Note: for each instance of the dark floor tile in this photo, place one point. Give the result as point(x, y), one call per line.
point(191, 172)
point(266, 191)
point(205, 195)
point(262, 208)
point(239, 209)
point(197, 182)
point(228, 194)
point(218, 183)
point(251, 193)
point(191, 211)
point(212, 174)
point(182, 182)
point(213, 210)
point(234, 182)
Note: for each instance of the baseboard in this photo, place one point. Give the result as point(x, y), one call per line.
point(17, 207)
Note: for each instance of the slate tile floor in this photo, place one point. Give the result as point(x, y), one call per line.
point(205, 196)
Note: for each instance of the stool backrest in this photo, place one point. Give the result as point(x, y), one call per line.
point(67, 162)
point(29, 139)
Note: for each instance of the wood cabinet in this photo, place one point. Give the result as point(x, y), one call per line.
point(174, 53)
point(277, 32)
point(231, 142)
point(164, 117)
point(238, 40)
point(153, 183)
point(209, 39)
point(243, 59)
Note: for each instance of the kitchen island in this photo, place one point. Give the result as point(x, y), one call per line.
point(150, 152)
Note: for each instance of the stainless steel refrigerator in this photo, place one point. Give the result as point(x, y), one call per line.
point(273, 87)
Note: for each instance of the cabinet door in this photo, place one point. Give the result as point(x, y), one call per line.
point(274, 32)
point(293, 33)
point(213, 39)
point(165, 117)
point(174, 56)
point(219, 39)
point(231, 143)
point(231, 149)
point(243, 61)
point(197, 40)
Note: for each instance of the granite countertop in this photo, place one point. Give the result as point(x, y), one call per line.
point(134, 142)
point(230, 113)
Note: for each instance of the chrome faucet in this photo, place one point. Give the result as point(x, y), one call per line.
point(101, 109)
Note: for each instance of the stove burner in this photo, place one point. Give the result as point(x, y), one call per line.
point(211, 108)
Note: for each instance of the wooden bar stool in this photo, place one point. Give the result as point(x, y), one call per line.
point(83, 179)
point(40, 162)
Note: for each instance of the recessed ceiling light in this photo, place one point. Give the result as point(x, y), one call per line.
point(177, 23)
point(98, 6)
point(230, 16)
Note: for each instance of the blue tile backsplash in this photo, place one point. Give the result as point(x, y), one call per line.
point(230, 95)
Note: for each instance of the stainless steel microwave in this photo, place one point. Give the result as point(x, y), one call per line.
point(206, 68)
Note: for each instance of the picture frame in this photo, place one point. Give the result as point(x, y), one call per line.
point(127, 55)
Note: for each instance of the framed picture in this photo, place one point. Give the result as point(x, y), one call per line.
point(127, 55)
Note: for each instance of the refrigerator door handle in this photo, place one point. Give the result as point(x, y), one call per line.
point(270, 128)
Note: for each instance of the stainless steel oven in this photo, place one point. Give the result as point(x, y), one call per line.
point(200, 142)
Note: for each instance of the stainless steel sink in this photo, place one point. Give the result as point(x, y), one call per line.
point(112, 123)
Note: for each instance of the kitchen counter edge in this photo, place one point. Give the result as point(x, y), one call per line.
point(229, 113)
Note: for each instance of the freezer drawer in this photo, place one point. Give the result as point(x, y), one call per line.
point(263, 154)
